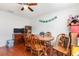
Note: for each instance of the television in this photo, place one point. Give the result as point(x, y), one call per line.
point(18, 30)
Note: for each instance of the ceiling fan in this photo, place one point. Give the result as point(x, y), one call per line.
point(28, 6)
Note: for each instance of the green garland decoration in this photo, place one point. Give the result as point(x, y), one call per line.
point(46, 21)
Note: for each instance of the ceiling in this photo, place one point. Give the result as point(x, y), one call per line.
point(40, 10)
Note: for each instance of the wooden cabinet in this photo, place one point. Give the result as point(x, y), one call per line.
point(19, 33)
point(18, 38)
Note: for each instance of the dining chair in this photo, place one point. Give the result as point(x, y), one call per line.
point(37, 47)
point(63, 41)
point(27, 43)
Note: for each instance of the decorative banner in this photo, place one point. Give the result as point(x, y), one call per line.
point(46, 21)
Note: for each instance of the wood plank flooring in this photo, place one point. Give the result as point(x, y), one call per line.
point(18, 50)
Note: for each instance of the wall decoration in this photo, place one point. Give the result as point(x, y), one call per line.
point(49, 20)
point(70, 18)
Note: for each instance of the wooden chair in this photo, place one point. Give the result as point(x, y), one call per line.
point(37, 46)
point(27, 34)
point(64, 44)
point(27, 42)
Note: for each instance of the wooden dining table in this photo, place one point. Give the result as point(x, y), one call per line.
point(46, 40)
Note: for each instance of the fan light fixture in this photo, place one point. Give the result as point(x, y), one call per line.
point(27, 6)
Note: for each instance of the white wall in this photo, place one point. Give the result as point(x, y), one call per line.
point(56, 26)
point(8, 22)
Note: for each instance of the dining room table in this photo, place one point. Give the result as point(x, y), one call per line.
point(47, 41)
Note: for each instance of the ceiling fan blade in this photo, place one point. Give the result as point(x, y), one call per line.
point(31, 4)
point(30, 9)
point(22, 3)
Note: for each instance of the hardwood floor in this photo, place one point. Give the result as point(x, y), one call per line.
point(18, 50)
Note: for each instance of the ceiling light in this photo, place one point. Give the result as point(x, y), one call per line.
point(25, 6)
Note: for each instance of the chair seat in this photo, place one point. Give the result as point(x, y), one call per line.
point(38, 47)
point(28, 45)
point(61, 49)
